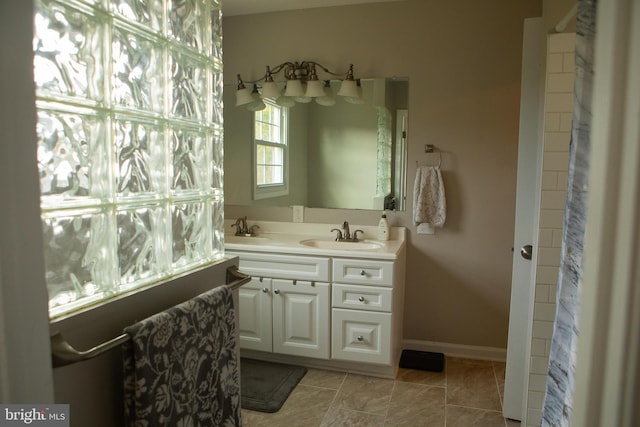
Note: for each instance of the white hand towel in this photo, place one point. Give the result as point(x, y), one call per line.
point(429, 202)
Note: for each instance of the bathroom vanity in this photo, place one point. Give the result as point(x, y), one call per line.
point(319, 303)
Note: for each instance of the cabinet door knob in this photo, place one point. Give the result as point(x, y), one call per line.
point(277, 291)
point(265, 290)
point(360, 338)
point(361, 299)
point(363, 273)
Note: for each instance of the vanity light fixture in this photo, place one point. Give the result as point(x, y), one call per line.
point(327, 99)
point(302, 86)
point(250, 99)
point(354, 97)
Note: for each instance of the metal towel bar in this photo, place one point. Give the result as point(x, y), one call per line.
point(62, 353)
point(429, 149)
point(235, 278)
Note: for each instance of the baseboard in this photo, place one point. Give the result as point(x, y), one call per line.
point(370, 369)
point(458, 350)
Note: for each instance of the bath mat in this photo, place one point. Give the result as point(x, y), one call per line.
point(265, 386)
point(422, 360)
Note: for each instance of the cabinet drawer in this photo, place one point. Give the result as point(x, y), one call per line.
point(361, 272)
point(361, 336)
point(361, 297)
point(284, 266)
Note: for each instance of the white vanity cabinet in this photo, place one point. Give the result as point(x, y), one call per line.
point(323, 309)
point(284, 309)
point(362, 310)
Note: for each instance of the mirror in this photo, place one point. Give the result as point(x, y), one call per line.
point(346, 156)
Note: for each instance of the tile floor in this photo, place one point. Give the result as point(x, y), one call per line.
point(468, 393)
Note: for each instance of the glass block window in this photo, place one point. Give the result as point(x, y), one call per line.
point(384, 144)
point(270, 151)
point(129, 100)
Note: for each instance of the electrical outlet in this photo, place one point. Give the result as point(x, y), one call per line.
point(298, 213)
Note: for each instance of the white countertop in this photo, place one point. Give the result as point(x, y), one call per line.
point(286, 238)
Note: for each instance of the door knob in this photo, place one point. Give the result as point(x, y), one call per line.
point(277, 291)
point(526, 251)
point(265, 290)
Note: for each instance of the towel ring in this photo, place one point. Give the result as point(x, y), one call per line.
point(429, 149)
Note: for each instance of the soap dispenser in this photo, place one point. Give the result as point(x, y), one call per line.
point(383, 228)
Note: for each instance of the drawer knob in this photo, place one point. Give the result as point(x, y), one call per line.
point(363, 273)
point(360, 338)
point(361, 299)
point(265, 290)
point(277, 291)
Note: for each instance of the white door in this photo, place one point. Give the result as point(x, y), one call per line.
point(527, 215)
point(254, 313)
point(301, 318)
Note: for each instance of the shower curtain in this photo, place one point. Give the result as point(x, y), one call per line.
point(558, 400)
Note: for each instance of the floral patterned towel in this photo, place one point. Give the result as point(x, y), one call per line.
point(429, 201)
point(181, 365)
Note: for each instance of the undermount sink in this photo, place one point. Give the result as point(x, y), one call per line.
point(337, 245)
point(248, 239)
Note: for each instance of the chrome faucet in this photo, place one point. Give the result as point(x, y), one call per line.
point(344, 235)
point(241, 226)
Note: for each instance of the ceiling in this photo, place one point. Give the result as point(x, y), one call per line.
point(246, 7)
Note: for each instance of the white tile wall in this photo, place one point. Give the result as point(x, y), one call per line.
point(558, 102)
point(555, 161)
point(552, 122)
point(560, 82)
point(549, 180)
point(565, 121)
point(538, 347)
point(557, 134)
point(551, 218)
point(556, 141)
point(555, 62)
point(563, 42)
point(553, 199)
point(545, 237)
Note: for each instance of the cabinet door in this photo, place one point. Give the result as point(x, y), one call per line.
point(255, 315)
point(301, 318)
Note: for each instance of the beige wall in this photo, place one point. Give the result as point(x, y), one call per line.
point(463, 59)
point(555, 11)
